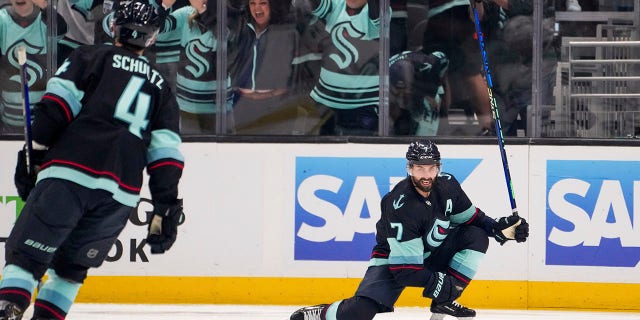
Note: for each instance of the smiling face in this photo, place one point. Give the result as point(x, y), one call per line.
point(261, 13)
point(423, 176)
point(356, 4)
point(23, 7)
point(199, 5)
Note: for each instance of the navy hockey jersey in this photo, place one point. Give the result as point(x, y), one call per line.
point(411, 227)
point(106, 115)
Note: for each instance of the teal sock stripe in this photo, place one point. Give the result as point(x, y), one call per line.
point(16, 277)
point(58, 291)
point(332, 311)
point(466, 262)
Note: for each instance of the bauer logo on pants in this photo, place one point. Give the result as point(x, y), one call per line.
point(593, 213)
point(338, 203)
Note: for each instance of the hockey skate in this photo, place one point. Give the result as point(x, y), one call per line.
point(10, 311)
point(309, 313)
point(454, 309)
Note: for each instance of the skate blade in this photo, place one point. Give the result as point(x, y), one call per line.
point(440, 316)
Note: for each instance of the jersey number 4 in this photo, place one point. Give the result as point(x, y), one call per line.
point(134, 115)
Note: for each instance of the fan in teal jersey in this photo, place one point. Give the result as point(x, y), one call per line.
point(349, 79)
point(23, 23)
point(196, 79)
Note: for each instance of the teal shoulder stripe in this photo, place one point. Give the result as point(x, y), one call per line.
point(68, 91)
point(90, 182)
point(464, 216)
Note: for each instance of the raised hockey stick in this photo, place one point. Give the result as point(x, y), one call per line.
point(26, 109)
point(494, 109)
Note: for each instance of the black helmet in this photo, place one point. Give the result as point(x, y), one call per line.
point(423, 152)
point(136, 23)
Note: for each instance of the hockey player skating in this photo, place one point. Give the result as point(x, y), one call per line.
point(106, 115)
point(429, 235)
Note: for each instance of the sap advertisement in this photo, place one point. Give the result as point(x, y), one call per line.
point(338, 203)
point(593, 213)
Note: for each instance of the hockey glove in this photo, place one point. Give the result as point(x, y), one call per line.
point(442, 288)
point(25, 181)
point(163, 226)
point(511, 228)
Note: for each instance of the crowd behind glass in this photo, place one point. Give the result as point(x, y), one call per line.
point(313, 67)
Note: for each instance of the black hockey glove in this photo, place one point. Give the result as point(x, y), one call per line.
point(511, 228)
point(442, 288)
point(163, 226)
point(24, 181)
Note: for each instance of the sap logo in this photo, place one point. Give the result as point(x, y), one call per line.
point(337, 203)
point(593, 213)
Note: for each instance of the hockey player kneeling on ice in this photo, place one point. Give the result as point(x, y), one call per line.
point(106, 115)
point(429, 235)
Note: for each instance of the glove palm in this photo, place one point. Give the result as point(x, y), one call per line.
point(511, 228)
point(163, 226)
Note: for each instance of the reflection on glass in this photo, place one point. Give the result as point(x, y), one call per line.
point(310, 67)
point(262, 70)
point(23, 24)
point(195, 81)
point(347, 86)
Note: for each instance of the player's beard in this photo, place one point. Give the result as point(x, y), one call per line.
point(418, 184)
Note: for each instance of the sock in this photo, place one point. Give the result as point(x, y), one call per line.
point(55, 297)
point(17, 285)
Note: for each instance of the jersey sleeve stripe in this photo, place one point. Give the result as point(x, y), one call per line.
point(465, 217)
point(66, 90)
point(60, 102)
point(164, 153)
point(167, 163)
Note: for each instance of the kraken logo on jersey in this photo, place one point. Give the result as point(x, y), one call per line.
point(438, 233)
point(198, 64)
point(34, 71)
point(340, 34)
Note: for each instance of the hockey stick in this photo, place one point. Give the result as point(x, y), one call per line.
point(26, 108)
point(494, 109)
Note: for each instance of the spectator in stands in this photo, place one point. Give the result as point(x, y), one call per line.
point(262, 69)
point(24, 23)
point(510, 50)
point(349, 78)
point(196, 82)
point(80, 19)
point(166, 51)
point(398, 37)
point(418, 92)
point(451, 30)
